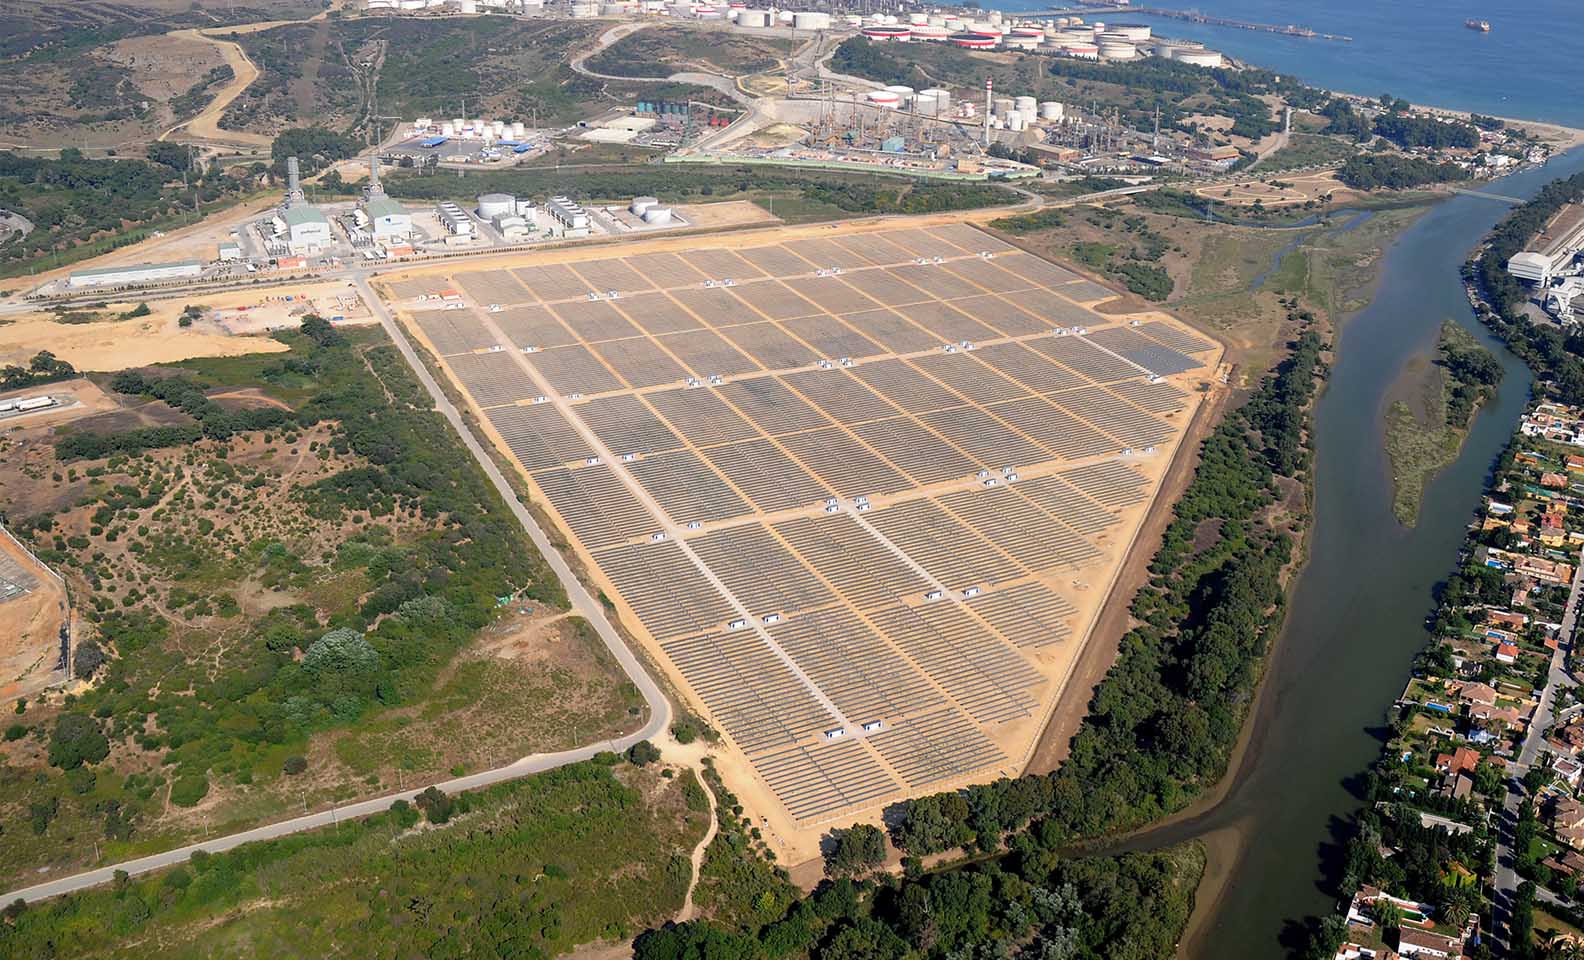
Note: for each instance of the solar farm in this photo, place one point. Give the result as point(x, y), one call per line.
point(860, 492)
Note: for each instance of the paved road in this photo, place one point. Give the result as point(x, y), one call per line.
point(1507, 879)
point(582, 603)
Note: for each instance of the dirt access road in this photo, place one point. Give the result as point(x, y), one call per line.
point(206, 125)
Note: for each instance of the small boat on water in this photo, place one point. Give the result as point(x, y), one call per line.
point(1483, 26)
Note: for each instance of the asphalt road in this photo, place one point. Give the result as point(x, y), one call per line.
point(659, 708)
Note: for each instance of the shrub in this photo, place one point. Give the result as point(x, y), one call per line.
point(77, 740)
point(642, 753)
point(294, 765)
point(188, 790)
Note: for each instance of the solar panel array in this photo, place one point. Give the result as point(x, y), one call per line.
point(850, 654)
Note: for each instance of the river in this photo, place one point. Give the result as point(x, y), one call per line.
point(1358, 609)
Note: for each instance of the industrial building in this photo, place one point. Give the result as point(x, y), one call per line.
point(569, 215)
point(133, 275)
point(454, 219)
point(298, 224)
point(1552, 250)
point(388, 221)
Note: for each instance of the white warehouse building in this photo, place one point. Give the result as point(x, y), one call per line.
point(142, 273)
point(306, 229)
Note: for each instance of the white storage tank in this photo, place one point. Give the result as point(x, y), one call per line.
point(754, 18)
point(925, 105)
point(942, 99)
point(953, 24)
point(492, 205)
point(640, 205)
point(585, 11)
point(1083, 51)
point(1025, 104)
point(478, 127)
point(519, 130)
point(1004, 106)
point(918, 19)
point(1198, 58)
point(884, 98)
point(657, 216)
point(1135, 32)
point(499, 129)
point(457, 123)
point(903, 91)
point(929, 32)
point(811, 20)
point(448, 129)
point(1117, 50)
point(1014, 121)
point(1051, 111)
point(468, 6)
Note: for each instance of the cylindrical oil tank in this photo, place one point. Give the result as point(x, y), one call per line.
point(448, 129)
point(478, 126)
point(519, 130)
point(1050, 111)
point(942, 98)
point(754, 18)
point(953, 24)
point(1199, 58)
point(1004, 106)
point(498, 127)
point(916, 18)
point(1025, 104)
point(1117, 50)
point(584, 11)
point(1014, 121)
point(925, 106)
point(973, 41)
point(884, 98)
point(657, 216)
point(1136, 32)
point(492, 205)
point(457, 123)
point(903, 91)
point(928, 32)
point(811, 20)
point(467, 6)
point(1083, 51)
point(640, 204)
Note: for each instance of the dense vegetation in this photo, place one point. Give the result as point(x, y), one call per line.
point(261, 687)
point(1134, 260)
point(856, 194)
point(72, 200)
point(1411, 131)
point(1474, 372)
point(314, 147)
point(1390, 171)
point(45, 367)
point(526, 869)
point(1552, 353)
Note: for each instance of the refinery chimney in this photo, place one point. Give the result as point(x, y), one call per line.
point(987, 112)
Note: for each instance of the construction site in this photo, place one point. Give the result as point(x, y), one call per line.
point(859, 493)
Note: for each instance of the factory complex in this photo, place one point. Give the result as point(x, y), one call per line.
point(1552, 263)
point(859, 491)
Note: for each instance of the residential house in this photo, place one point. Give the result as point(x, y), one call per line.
point(1506, 653)
point(1567, 819)
point(1568, 770)
point(1461, 760)
point(1554, 481)
point(1506, 618)
point(1477, 694)
point(1413, 942)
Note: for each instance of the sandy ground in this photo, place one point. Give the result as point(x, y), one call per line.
point(29, 628)
point(245, 312)
point(119, 344)
point(165, 66)
point(796, 842)
point(1305, 187)
point(726, 213)
point(206, 125)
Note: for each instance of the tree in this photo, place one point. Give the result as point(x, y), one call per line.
point(436, 805)
point(173, 155)
point(321, 331)
point(88, 659)
point(865, 939)
point(642, 753)
point(294, 765)
point(856, 850)
point(342, 651)
point(77, 740)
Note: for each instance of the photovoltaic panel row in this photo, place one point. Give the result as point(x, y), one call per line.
point(844, 464)
point(1040, 271)
point(862, 674)
point(833, 339)
point(771, 346)
point(945, 322)
point(905, 386)
point(552, 281)
point(819, 780)
point(721, 264)
point(969, 377)
point(983, 437)
point(884, 287)
point(1029, 368)
point(532, 326)
point(971, 239)
point(774, 300)
point(625, 425)
point(492, 286)
point(453, 331)
point(1087, 291)
point(830, 294)
point(665, 270)
point(749, 690)
point(921, 454)
point(492, 378)
point(538, 435)
point(988, 275)
point(418, 287)
point(840, 395)
point(1061, 499)
point(766, 476)
point(686, 488)
point(658, 314)
point(1004, 314)
point(771, 406)
point(596, 505)
point(714, 305)
point(876, 249)
point(828, 253)
point(922, 243)
point(594, 320)
point(934, 280)
point(1055, 311)
point(640, 362)
point(607, 275)
point(1112, 484)
point(1154, 397)
point(1020, 529)
point(984, 675)
point(861, 568)
point(574, 369)
point(890, 330)
point(953, 554)
point(1086, 358)
point(1176, 338)
point(777, 261)
point(1114, 415)
point(1030, 614)
point(669, 595)
point(1143, 351)
point(700, 415)
point(760, 572)
point(1054, 429)
point(706, 354)
point(941, 745)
